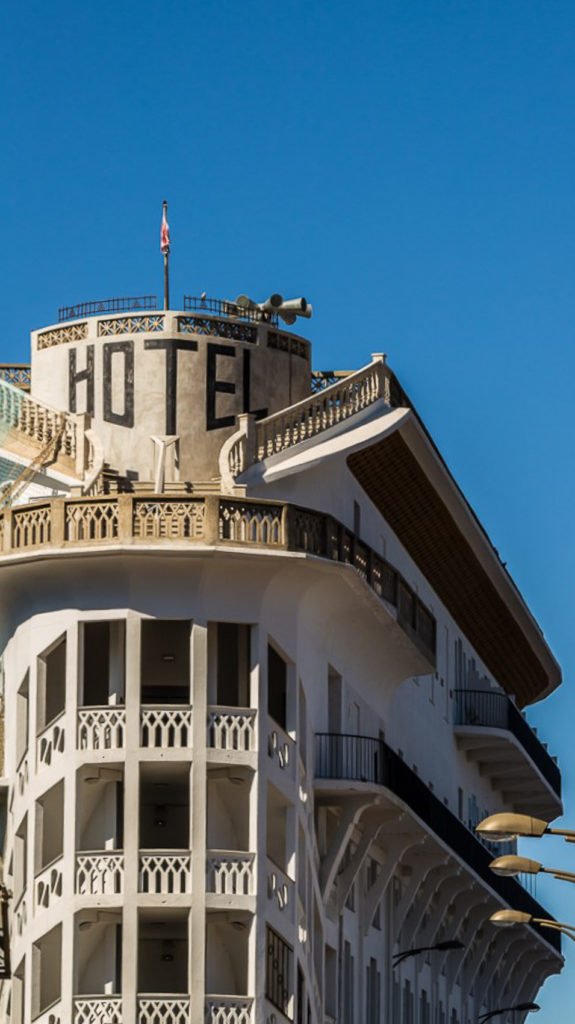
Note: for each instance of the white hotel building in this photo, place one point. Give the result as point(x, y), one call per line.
point(263, 671)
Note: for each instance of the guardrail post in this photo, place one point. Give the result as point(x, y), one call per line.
point(7, 540)
point(125, 518)
point(58, 522)
point(212, 519)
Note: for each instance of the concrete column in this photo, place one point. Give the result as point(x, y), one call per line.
point(198, 816)
point(131, 823)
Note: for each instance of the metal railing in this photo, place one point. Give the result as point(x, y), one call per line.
point(495, 710)
point(365, 759)
point(119, 304)
point(221, 307)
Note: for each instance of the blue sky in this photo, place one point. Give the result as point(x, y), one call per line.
point(408, 166)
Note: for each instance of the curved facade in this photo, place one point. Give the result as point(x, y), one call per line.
point(248, 731)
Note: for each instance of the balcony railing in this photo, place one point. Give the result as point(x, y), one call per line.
point(231, 728)
point(100, 873)
point(369, 760)
point(101, 727)
point(495, 710)
point(166, 727)
point(229, 873)
point(98, 1010)
point(228, 1010)
point(50, 741)
point(165, 872)
point(219, 521)
point(48, 884)
point(168, 1009)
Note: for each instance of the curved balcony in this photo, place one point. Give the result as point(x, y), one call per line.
point(494, 734)
point(363, 759)
point(214, 520)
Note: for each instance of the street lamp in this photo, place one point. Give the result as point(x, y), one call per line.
point(500, 828)
point(511, 865)
point(447, 944)
point(519, 1008)
point(506, 918)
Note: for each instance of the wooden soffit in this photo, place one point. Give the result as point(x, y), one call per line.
point(393, 478)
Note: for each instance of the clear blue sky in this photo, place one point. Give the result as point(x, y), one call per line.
point(408, 165)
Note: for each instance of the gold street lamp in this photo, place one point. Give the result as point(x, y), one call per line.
point(501, 828)
point(507, 918)
point(511, 865)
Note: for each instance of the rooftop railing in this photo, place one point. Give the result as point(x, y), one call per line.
point(119, 304)
point(490, 709)
point(370, 760)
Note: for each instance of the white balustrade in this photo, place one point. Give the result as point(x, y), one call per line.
point(21, 915)
point(282, 747)
point(98, 1010)
point(170, 1009)
point(231, 728)
point(280, 887)
point(230, 873)
point(48, 884)
point(51, 1015)
point(23, 774)
point(101, 728)
point(50, 741)
point(165, 871)
point(228, 1010)
point(166, 727)
point(100, 873)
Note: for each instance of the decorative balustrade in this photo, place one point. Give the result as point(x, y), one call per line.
point(120, 304)
point(23, 774)
point(91, 521)
point(280, 887)
point(51, 1015)
point(48, 884)
point(231, 728)
point(217, 520)
point(169, 1009)
point(165, 517)
point(98, 1010)
point(101, 727)
point(281, 747)
point(321, 411)
point(21, 915)
point(229, 1010)
point(50, 741)
point(17, 374)
point(100, 873)
point(166, 727)
point(165, 872)
point(36, 421)
point(229, 873)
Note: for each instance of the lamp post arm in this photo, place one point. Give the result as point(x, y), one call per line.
point(568, 834)
point(562, 876)
point(567, 929)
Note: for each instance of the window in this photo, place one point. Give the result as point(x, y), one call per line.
point(373, 993)
point(348, 1015)
point(277, 687)
point(52, 683)
point(278, 971)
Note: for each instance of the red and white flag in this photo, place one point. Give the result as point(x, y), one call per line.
point(165, 232)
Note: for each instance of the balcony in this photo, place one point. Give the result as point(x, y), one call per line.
point(228, 1010)
point(168, 1009)
point(230, 873)
point(165, 872)
point(100, 873)
point(356, 760)
point(494, 734)
point(101, 727)
point(231, 729)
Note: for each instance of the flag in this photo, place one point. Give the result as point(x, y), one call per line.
point(165, 232)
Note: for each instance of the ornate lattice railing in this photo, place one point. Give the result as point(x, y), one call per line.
point(21, 915)
point(51, 1015)
point(167, 1009)
point(48, 884)
point(17, 374)
point(231, 728)
point(280, 887)
point(229, 873)
point(216, 520)
point(23, 774)
point(98, 1010)
point(165, 871)
point(51, 741)
point(229, 1010)
point(100, 873)
point(101, 728)
point(281, 748)
point(166, 727)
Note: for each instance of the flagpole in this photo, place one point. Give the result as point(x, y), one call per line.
point(166, 266)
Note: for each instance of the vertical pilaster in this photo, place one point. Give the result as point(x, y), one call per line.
point(131, 822)
point(197, 924)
